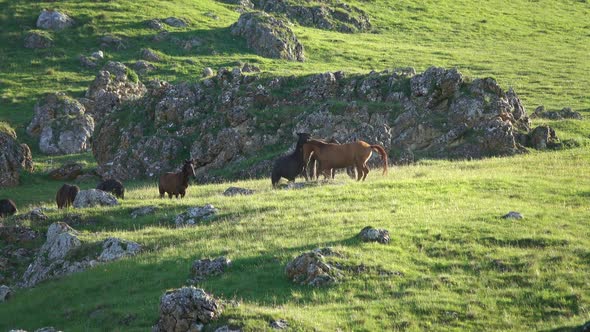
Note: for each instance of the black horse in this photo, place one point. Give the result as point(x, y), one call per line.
point(290, 166)
point(112, 186)
point(7, 207)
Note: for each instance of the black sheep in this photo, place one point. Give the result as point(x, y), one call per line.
point(112, 186)
point(290, 166)
point(7, 207)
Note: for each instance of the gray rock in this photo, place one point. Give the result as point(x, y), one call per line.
point(35, 215)
point(543, 137)
point(14, 158)
point(38, 39)
point(112, 42)
point(194, 215)
point(513, 215)
point(175, 22)
point(186, 309)
point(203, 268)
point(155, 24)
point(279, 324)
point(143, 211)
point(149, 55)
point(98, 55)
point(268, 36)
point(54, 20)
point(94, 197)
point(86, 61)
point(143, 67)
point(5, 293)
point(370, 234)
point(311, 269)
point(248, 68)
point(207, 72)
point(114, 248)
point(233, 191)
point(68, 171)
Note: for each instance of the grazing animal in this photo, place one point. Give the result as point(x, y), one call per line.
point(66, 195)
point(313, 163)
point(7, 207)
point(292, 165)
point(112, 186)
point(176, 183)
point(332, 155)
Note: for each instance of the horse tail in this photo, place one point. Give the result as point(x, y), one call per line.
point(383, 154)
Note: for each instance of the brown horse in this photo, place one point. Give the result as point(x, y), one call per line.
point(176, 183)
point(312, 165)
point(332, 155)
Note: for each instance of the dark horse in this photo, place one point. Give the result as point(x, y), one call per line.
point(112, 186)
point(313, 163)
point(292, 165)
point(66, 195)
point(332, 155)
point(176, 183)
point(7, 207)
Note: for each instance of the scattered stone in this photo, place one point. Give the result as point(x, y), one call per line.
point(143, 211)
point(280, 324)
point(208, 72)
point(112, 42)
point(268, 36)
point(543, 137)
point(114, 248)
point(149, 55)
point(17, 234)
point(203, 268)
point(86, 61)
point(311, 269)
point(35, 215)
point(248, 68)
point(98, 55)
point(175, 22)
point(233, 191)
point(143, 67)
point(38, 39)
point(94, 197)
point(53, 20)
point(186, 309)
point(564, 113)
point(195, 214)
point(15, 158)
point(154, 24)
point(161, 36)
point(370, 234)
point(5, 293)
point(67, 171)
point(513, 215)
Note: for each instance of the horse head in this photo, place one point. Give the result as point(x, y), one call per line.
point(189, 167)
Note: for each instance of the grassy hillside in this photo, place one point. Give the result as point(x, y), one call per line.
point(456, 264)
point(452, 264)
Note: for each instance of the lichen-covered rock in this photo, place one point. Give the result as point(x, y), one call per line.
point(94, 197)
point(54, 20)
point(112, 42)
point(370, 234)
point(207, 72)
point(154, 24)
point(268, 36)
point(5, 293)
point(203, 268)
point(35, 215)
point(143, 67)
point(195, 214)
point(149, 55)
point(279, 324)
point(143, 211)
point(17, 234)
point(175, 22)
point(233, 191)
point(564, 113)
point(311, 269)
point(114, 248)
point(68, 171)
point(543, 137)
point(38, 39)
point(186, 309)
point(14, 158)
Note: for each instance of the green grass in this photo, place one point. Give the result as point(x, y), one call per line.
point(456, 264)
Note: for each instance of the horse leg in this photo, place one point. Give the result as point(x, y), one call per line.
point(162, 192)
point(170, 195)
point(366, 170)
point(359, 170)
point(182, 193)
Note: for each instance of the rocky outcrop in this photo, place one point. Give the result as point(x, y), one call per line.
point(194, 215)
point(311, 268)
point(54, 20)
point(186, 309)
point(268, 36)
point(231, 118)
point(68, 171)
point(14, 158)
point(370, 234)
point(203, 268)
point(62, 125)
point(543, 137)
point(114, 248)
point(38, 39)
point(94, 197)
point(564, 113)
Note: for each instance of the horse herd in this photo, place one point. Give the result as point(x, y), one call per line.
point(311, 155)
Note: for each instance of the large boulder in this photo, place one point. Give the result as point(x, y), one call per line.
point(94, 197)
point(186, 309)
point(268, 36)
point(311, 268)
point(62, 125)
point(14, 158)
point(54, 20)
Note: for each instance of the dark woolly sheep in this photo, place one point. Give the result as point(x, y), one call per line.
point(112, 186)
point(176, 183)
point(66, 195)
point(292, 165)
point(7, 207)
